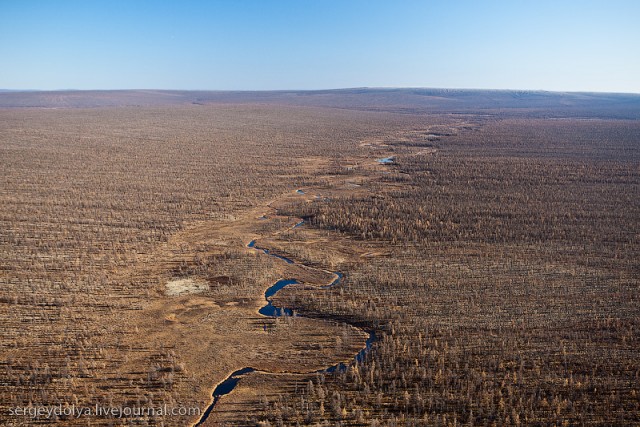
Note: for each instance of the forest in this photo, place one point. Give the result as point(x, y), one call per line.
point(488, 272)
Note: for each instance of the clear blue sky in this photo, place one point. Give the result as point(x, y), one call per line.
point(570, 45)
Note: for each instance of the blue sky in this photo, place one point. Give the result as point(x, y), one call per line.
point(584, 45)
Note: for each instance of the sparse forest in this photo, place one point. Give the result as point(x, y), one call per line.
point(495, 259)
point(509, 291)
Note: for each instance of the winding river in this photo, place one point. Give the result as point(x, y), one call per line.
point(270, 310)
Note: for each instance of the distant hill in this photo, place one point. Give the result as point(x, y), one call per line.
point(411, 101)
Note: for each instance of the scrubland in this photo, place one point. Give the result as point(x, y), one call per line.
point(505, 290)
point(495, 260)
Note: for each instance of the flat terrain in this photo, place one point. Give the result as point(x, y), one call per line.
point(495, 258)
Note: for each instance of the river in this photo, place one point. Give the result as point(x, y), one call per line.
point(270, 310)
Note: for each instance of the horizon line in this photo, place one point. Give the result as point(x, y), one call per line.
point(5, 90)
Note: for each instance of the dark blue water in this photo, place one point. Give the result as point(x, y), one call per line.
point(252, 244)
point(270, 309)
point(360, 356)
point(271, 291)
point(223, 388)
point(268, 252)
point(335, 281)
point(299, 191)
point(341, 367)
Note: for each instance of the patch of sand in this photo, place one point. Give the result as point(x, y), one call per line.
point(185, 286)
